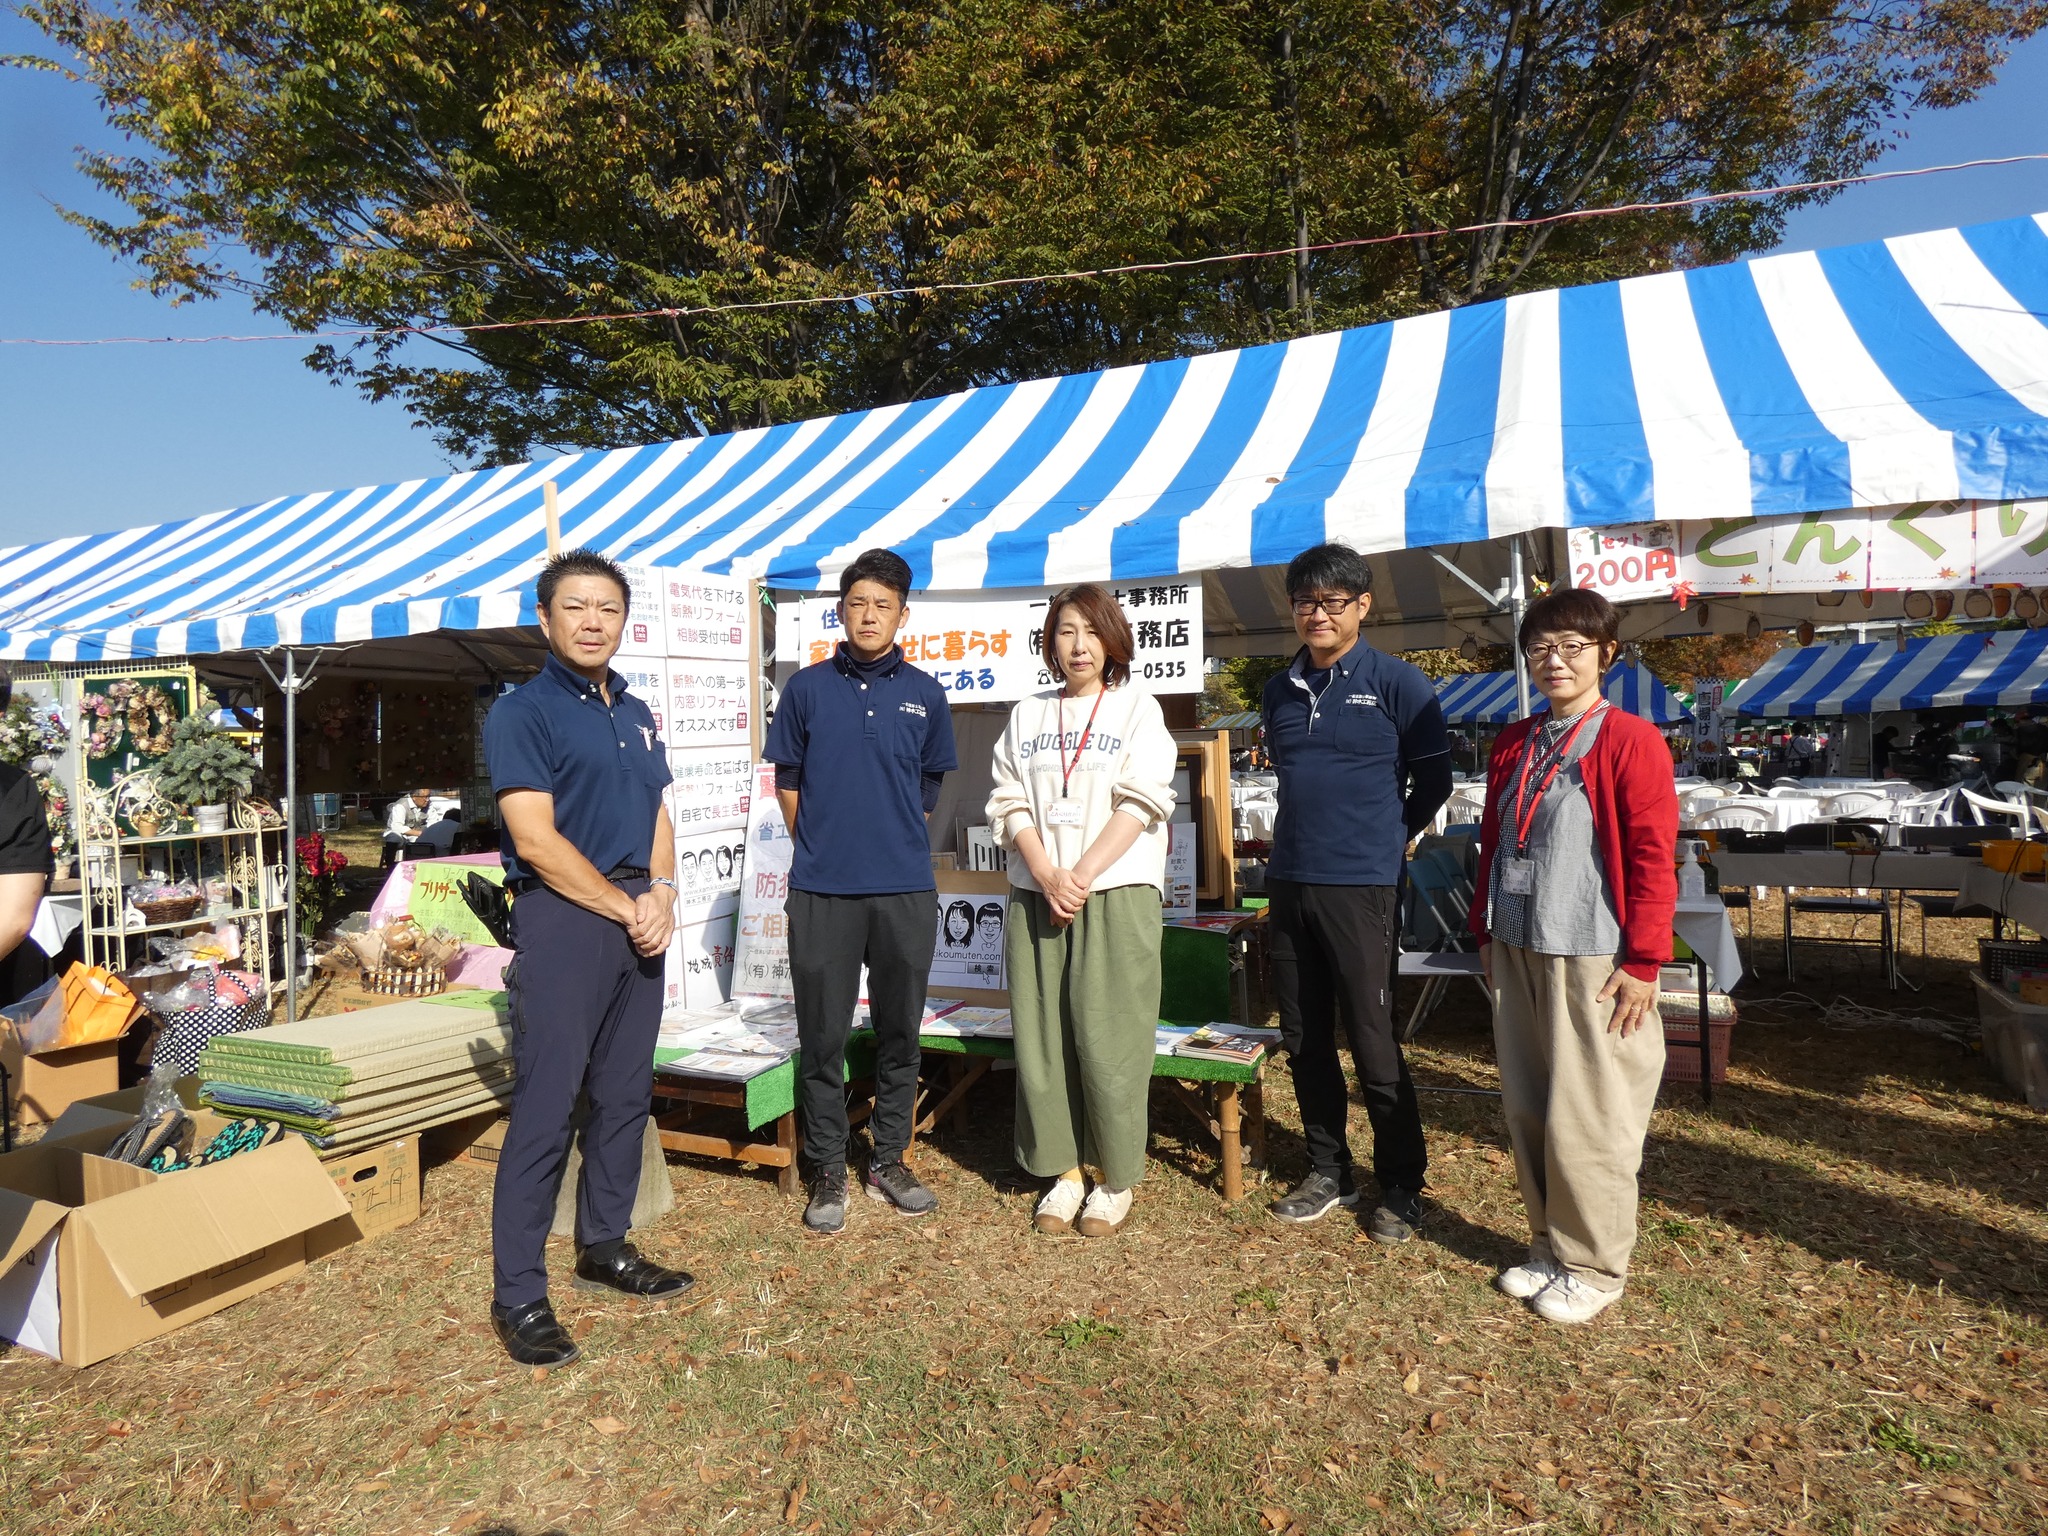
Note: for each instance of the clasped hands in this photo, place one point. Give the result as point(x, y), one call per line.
point(1066, 892)
point(653, 920)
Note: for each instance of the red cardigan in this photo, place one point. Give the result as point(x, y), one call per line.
point(1628, 779)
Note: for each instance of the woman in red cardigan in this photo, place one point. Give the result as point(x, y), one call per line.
point(1576, 889)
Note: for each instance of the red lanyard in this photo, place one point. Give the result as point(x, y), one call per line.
point(1525, 807)
point(1067, 768)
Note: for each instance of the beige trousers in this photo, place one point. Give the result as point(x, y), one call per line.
point(1577, 1101)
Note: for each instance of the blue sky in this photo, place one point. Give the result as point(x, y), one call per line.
point(104, 437)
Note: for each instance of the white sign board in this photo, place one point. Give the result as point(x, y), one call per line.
point(708, 868)
point(968, 952)
point(983, 647)
point(644, 634)
point(704, 615)
point(697, 970)
point(707, 703)
point(2012, 542)
point(1179, 900)
point(1926, 544)
point(761, 948)
point(711, 789)
point(1626, 564)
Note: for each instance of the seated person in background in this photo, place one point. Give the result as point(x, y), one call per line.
point(438, 840)
point(408, 818)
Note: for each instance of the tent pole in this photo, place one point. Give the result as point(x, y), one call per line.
point(291, 835)
point(1517, 604)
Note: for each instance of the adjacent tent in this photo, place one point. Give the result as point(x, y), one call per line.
point(1980, 668)
point(1488, 698)
point(1908, 370)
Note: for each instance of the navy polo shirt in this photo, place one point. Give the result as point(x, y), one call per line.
point(603, 763)
point(862, 741)
point(1343, 755)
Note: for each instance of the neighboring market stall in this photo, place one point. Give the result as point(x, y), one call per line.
point(1489, 698)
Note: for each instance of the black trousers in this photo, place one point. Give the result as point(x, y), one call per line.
point(1333, 959)
point(585, 1013)
point(830, 938)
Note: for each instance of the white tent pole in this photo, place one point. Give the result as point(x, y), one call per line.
point(551, 502)
point(1517, 603)
point(291, 835)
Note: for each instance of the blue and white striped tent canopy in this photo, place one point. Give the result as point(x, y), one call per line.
point(1912, 369)
point(1980, 667)
point(1488, 698)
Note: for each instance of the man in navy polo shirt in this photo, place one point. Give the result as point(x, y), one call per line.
point(590, 860)
point(1358, 741)
point(861, 743)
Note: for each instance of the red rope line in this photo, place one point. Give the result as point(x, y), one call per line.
point(985, 285)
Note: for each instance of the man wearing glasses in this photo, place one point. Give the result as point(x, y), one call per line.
point(1358, 741)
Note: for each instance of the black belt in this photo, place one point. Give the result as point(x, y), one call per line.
point(527, 883)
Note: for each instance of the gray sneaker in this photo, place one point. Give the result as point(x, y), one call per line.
point(896, 1185)
point(826, 1214)
point(1396, 1218)
point(1315, 1197)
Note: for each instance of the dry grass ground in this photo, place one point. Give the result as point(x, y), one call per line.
point(1835, 1325)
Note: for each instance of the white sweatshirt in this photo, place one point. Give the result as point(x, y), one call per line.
point(1126, 766)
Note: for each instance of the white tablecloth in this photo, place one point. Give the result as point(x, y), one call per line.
point(1985, 890)
point(1705, 926)
point(1895, 869)
point(57, 918)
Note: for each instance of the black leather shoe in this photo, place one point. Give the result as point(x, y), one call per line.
point(531, 1335)
point(630, 1275)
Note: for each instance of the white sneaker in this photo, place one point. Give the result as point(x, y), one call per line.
point(1056, 1211)
point(1106, 1210)
point(1568, 1299)
point(1527, 1279)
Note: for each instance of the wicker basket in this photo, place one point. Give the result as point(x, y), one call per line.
point(171, 909)
point(399, 981)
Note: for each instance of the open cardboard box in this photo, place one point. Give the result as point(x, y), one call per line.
point(97, 1256)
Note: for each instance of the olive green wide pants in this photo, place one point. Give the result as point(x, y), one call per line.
point(1084, 1001)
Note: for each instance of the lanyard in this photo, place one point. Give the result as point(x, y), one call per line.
point(1067, 768)
point(1525, 806)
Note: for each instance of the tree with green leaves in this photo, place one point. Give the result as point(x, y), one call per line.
point(476, 168)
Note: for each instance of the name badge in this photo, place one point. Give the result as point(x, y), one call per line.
point(1064, 813)
point(1518, 876)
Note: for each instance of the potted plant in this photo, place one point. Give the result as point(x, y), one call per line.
point(203, 770)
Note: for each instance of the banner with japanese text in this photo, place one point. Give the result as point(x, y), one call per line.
point(983, 647)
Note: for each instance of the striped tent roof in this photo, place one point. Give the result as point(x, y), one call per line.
point(1488, 698)
point(1979, 667)
point(1911, 369)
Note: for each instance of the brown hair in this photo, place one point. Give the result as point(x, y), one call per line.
point(1573, 611)
point(1105, 615)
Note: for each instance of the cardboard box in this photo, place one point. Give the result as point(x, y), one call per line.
point(42, 1087)
point(98, 1256)
point(382, 1188)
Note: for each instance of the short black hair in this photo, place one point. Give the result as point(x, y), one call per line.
point(1571, 611)
point(1328, 567)
point(579, 562)
point(879, 565)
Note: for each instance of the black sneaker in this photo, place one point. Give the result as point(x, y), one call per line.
point(896, 1185)
point(1396, 1218)
point(826, 1214)
point(1315, 1197)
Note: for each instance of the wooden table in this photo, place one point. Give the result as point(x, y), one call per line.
point(1227, 1101)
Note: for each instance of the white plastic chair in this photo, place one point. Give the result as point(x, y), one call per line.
point(1734, 813)
point(1936, 808)
point(1864, 803)
point(1982, 806)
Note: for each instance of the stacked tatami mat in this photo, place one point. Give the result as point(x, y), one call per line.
point(357, 1078)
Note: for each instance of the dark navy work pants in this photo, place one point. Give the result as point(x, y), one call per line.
point(585, 1013)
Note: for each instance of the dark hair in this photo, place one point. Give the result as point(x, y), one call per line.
point(1105, 615)
point(1571, 611)
point(958, 909)
point(879, 565)
point(451, 815)
point(579, 562)
point(989, 909)
point(1328, 566)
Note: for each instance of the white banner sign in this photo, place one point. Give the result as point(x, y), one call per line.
point(707, 703)
point(708, 870)
point(983, 647)
point(704, 615)
point(645, 633)
point(761, 949)
point(1934, 545)
point(697, 970)
point(711, 789)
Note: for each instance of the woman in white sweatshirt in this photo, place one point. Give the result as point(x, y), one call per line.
point(1083, 790)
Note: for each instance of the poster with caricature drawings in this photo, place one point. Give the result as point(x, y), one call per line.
point(969, 951)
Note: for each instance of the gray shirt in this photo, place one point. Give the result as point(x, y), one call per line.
point(1569, 910)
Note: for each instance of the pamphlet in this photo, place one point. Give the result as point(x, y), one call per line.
point(1227, 1042)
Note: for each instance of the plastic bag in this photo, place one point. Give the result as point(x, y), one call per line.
point(38, 1019)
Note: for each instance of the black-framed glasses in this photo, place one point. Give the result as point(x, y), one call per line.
point(1570, 650)
point(1304, 606)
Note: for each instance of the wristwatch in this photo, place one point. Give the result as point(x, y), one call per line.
point(664, 880)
